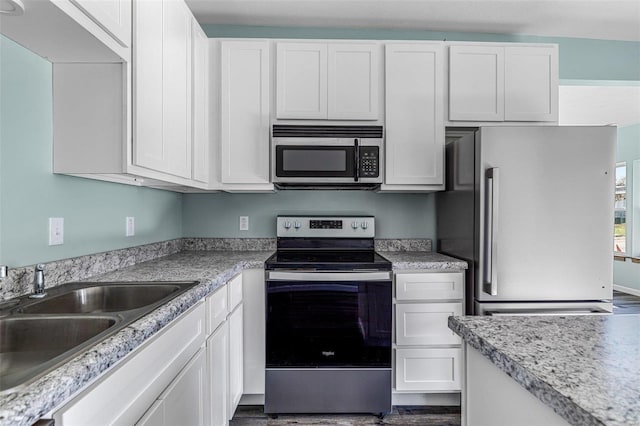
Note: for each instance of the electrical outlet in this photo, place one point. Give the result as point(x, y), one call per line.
point(130, 230)
point(56, 231)
point(244, 223)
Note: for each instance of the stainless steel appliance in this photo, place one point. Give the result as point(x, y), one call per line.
point(531, 210)
point(348, 157)
point(328, 318)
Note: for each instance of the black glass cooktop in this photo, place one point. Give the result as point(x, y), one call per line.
point(327, 260)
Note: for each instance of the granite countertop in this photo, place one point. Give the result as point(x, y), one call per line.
point(584, 367)
point(408, 260)
point(25, 404)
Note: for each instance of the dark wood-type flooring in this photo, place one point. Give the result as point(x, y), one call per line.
point(624, 303)
point(253, 415)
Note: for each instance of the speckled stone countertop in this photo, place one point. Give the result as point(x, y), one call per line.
point(25, 404)
point(586, 368)
point(407, 260)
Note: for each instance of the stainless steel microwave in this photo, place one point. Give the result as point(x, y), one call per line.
point(348, 157)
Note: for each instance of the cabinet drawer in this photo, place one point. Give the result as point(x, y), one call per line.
point(428, 369)
point(235, 291)
point(426, 323)
point(426, 286)
point(217, 309)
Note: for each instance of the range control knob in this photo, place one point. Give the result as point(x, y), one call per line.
point(287, 225)
point(364, 225)
point(354, 224)
point(297, 225)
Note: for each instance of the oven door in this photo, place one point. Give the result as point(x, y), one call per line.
point(328, 319)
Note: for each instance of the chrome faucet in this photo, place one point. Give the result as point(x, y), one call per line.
point(38, 282)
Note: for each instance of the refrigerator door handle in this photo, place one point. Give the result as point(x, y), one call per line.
point(491, 253)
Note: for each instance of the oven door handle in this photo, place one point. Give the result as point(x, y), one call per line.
point(329, 276)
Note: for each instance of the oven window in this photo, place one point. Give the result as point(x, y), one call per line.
point(328, 324)
point(315, 161)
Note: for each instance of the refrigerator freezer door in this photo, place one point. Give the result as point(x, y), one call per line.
point(546, 223)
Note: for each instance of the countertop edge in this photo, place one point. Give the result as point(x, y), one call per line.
point(543, 391)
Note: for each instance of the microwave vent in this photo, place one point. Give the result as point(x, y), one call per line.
point(301, 131)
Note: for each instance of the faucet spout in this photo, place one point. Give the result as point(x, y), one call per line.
point(38, 282)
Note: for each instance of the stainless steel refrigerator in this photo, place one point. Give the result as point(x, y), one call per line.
point(531, 210)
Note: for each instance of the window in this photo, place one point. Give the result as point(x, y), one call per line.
point(620, 210)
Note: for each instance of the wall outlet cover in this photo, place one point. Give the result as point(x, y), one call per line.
point(56, 231)
point(130, 230)
point(244, 223)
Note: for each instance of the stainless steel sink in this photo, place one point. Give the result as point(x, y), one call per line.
point(37, 336)
point(103, 298)
point(31, 345)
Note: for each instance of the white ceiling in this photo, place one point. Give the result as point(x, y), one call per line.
point(613, 19)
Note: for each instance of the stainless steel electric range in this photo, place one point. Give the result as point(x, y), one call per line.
point(328, 318)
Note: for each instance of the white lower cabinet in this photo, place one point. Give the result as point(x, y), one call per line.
point(236, 363)
point(218, 362)
point(166, 362)
point(428, 355)
point(183, 402)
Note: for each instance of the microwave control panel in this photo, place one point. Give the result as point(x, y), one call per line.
point(369, 161)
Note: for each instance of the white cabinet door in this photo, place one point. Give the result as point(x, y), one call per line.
point(352, 81)
point(414, 101)
point(218, 360)
point(184, 400)
point(176, 87)
point(437, 369)
point(200, 105)
point(476, 83)
point(245, 112)
point(162, 87)
point(301, 82)
point(236, 362)
point(531, 83)
point(254, 331)
point(114, 16)
point(426, 323)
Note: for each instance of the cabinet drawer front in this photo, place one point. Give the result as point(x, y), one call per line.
point(426, 324)
point(217, 309)
point(125, 394)
point(428, 369)
point(429, 286)
point(235, 291)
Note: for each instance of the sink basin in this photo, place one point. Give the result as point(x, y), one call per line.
point(38, 335)
point(103, 298)
point(31, 345)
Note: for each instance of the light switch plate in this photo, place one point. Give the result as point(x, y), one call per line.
point(244, 223)
point(56, 231)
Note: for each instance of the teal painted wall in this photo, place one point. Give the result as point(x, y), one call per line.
point(94, 212)
point(217, 215)
point(627, 274)
point(580, 59)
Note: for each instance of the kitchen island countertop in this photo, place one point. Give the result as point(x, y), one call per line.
point(584, 367)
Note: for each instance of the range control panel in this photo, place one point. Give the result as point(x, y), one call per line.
point(324, 226)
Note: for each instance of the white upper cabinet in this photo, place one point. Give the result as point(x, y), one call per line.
point(531, 83)
point(352, 82)
point(162, 87)
point(414, 114)
point(476, 83)
point(113, 16)
point(335, 81)
point(301, 80)
point(200, 104)
point(244, 95)
point(503, 83)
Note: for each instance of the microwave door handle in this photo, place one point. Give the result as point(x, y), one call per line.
point(356, 163)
